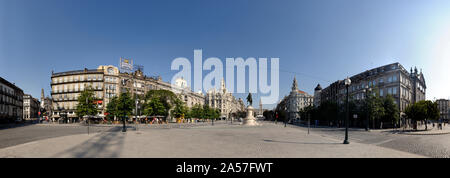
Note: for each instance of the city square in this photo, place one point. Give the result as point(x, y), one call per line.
point(224, 79)
point(221, 140)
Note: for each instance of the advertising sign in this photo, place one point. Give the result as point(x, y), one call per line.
point(126, 65)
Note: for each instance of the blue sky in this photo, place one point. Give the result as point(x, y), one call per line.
point(318, 41)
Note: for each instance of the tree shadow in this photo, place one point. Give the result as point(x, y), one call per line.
point(105, 144)
point(303, 143)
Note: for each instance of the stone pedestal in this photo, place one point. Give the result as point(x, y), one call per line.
point(250, 120)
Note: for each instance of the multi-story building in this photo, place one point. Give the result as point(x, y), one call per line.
point(11, 102)
point(108, 82)
point(31, 107)
point(297, 100)
point(444, 109)
point(392, 79)
point(224, 101)
point(67, 87)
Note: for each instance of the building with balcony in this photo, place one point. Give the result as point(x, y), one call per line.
point(108, 82)
point(67, 87)
point(31, 107)
point(11, 102)
point(392, 79)
point(295, 101)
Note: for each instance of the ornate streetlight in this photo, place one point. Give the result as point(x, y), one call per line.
point(347, 83)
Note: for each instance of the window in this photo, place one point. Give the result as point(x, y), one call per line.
point(394, 91)
point(381, 92)
point(394, 78)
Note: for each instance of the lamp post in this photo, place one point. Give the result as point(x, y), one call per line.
point(285, 118)
point(367, 90)
point(124, 129)
point(135, 123)
point(347, 83)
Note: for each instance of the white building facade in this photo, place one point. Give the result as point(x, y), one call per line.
point(297, 100)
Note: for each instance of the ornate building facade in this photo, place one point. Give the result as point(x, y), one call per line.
point(11, 102)
point(224, 101)
point(67, 87)
point(392, 79)
point(297, 100)
point(31, 107)
point(108, 82)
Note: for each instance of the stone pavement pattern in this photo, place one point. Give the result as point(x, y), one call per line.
point(219, 141)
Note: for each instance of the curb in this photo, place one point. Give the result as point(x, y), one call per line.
point(443, 133)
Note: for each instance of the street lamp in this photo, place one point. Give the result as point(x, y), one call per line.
point(347, 83)
point(124, 129)
point(285, 108)
point(367, 90)
point(136, 111)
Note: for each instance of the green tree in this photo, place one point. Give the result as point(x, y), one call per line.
point(180, 109)
point(196, 111)
point(433, 112)
point(86, 104)
point(391, 111)
point(167, 99)
point(125, 105)
point(375, 109)
point(111, 107)
point(154, 107)
point(416, 112)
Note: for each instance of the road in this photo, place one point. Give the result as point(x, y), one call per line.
point(14, 135)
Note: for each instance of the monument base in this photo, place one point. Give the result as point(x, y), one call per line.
point(250, 120)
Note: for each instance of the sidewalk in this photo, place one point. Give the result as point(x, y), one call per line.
point(420, 131)
point(430, 131)
point(219, 141)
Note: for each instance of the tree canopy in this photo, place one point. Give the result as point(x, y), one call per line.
point(86, 105)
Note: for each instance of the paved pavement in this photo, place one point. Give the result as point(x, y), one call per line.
point(14, 134)
point(220, 140)
point(429, 144)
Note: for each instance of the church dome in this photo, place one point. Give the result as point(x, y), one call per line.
point(318, 87)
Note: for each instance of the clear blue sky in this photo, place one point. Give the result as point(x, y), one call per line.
point(318, 41)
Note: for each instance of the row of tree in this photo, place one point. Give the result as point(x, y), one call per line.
point(155, 103)
point(422, 111)
point(373, 110)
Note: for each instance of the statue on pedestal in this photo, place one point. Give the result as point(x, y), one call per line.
point(250, 119)
point(249, 99)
